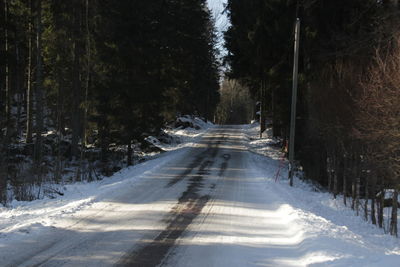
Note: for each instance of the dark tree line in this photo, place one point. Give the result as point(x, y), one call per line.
point(348, 123)
point(80, 77)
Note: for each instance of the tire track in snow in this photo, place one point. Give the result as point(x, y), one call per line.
point(190, 205)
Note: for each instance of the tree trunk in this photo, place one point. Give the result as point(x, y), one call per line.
point(329, 171)
point(353, 186)
point(366, 197)
point(373, 197)
point(59, 110)
point(3, 171)
point(380, 208)
point(129, 156)
point(335, 178)
point(88, 55)
point(29, 93)
point(76, 84)
point(393, 220)
point(19, 76)
point(39, 84)
point(373, 217)
point(345, 180)
point(7, 74)
point(358, 185)
point(103, 140)
point(275, 122)
point(263, 126)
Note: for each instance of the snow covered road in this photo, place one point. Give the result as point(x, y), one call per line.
point(212, 204)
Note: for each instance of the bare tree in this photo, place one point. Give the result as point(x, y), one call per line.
point(379, 122)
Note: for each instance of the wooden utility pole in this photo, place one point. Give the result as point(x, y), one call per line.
point(294, 101)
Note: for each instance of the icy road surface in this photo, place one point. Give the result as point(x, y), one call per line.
point(213, 204)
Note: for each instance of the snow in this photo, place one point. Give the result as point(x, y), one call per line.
point(332, 234)
point(183, 137)
point(251, 219)
point(36, 218)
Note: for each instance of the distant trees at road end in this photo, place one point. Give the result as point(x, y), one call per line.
point(236, 105)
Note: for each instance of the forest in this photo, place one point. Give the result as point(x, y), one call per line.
point(83, 81)
point(348, 109)
point(161, 133)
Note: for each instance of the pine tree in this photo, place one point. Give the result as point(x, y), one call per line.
point(87, 73)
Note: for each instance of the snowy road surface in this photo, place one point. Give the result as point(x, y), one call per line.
point(213, 204)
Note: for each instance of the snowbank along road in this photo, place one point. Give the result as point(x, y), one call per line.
point(207, 205)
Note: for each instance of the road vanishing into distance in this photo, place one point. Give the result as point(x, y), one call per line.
point(204, 205)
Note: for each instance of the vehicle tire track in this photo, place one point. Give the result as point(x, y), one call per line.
point(190, 205)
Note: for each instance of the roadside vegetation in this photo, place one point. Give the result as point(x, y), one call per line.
point(84, 82)
point(348, 123)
